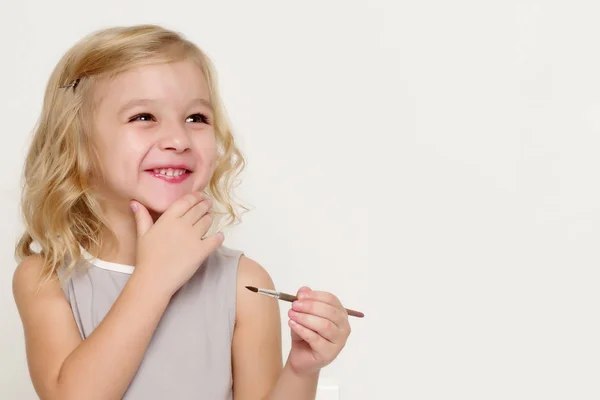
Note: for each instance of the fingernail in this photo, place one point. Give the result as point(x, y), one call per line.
point(293, 313)
point(292, 322)
point(303, 295)
point(297, 305)
point(134, 206)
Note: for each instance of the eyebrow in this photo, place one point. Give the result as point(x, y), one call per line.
point(137, 102)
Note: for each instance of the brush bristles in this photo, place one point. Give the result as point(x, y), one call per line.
point(252, 288)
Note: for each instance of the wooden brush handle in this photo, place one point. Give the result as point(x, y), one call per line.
point(287, 297)
point(354, 313)
point(291, 299)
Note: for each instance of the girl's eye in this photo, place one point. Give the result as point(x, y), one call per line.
point(201, 118)
point(142, 117)
point(196, 118)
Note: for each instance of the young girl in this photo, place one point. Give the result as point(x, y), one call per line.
point(132, 294)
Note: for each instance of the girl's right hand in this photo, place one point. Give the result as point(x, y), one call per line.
point(171, 250)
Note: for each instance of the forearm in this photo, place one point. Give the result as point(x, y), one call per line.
point(104, 364)
point(291, 386)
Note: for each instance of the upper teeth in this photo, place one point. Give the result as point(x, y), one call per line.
point(169, 171)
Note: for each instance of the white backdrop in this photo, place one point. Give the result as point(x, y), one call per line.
point(432, 163)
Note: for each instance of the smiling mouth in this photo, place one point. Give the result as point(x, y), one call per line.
point(169, 172)
point(172, 175)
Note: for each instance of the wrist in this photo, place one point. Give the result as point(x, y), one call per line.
point(301, 373)
point(149, 284)
point(294, 384)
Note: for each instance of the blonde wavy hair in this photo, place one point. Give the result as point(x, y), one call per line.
point(58, 204)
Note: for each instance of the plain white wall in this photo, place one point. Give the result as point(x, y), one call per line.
point(433, 163)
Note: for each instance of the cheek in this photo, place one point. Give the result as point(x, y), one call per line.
point(207, 149)
point(119, 166)
point(123, 150)
point(212, 160)
point(206, 153)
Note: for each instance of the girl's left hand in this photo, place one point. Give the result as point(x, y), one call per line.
point(320, 329)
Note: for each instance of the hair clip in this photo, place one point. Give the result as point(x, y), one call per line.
point(72, 84)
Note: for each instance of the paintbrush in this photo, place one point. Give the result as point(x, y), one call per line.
point(291, 298)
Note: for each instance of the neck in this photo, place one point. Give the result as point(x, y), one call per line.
point(122, 222)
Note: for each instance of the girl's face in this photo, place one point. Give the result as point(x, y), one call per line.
point(153, 133)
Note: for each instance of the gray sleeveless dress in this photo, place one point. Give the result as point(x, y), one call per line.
point(189, 356)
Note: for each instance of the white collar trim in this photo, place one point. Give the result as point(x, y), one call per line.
point(107, 265)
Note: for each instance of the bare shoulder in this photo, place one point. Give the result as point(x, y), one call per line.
point(251, 273)
point(31, 292)
point(26, 278)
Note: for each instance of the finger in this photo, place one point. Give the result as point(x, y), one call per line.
point(315, 340)
point(204, 224)
point(194, 214)
point(295, 336)
point(324, 297)
point(183, 204)
point(323, 310)
point(324, 327)
point(143, 220)
point(303, 289)
point(212, 243)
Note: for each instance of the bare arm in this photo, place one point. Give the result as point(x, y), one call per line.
point(61, 365)
point(256, 348)
point(64, 367)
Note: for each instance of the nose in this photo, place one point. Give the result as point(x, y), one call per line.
point(174, 138)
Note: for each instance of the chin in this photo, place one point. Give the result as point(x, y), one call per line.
point(158, 196)
point(158, 204)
